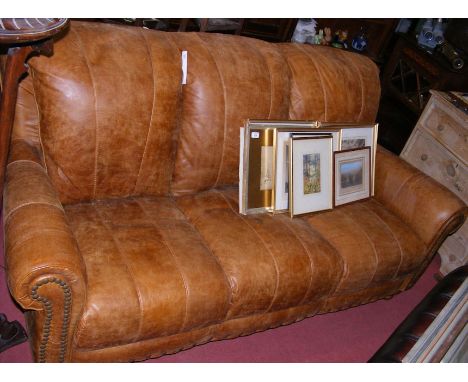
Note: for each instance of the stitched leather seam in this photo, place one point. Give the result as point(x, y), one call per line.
point(345, 272)
point(305, 248)
point(264, 244)
point(351, 217)
point(261, 54)
point(25, 89)
point(10, 213)
point(96, 143)
point(225, 109)
point(25, 161)
point(152, 109)
point(124, 261)
point(320, 78)
point(216, 259)
point(404, 183)
point(176, 262)
point(315, 307)
point(32, 234)
point(39, 120)
point(311, 262)
point(49, 316)
point(292, 85)
point(343, 263)
point(177, 132)
point(360, 81)
point(394, 237)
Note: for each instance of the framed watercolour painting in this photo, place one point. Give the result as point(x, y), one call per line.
point(281, 170)
point(310, 185)
point(352, 175)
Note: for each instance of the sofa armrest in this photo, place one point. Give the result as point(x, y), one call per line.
point(45, 271)
point(428, 207)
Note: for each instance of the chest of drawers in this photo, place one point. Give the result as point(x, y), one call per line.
point(438, 146)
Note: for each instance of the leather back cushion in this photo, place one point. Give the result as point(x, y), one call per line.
point(108, 100)
point(232, 78)
point(115, 121)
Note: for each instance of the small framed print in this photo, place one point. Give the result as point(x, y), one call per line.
point(310, 186)
point(355, 136)
point(352, 175)
point(255, 169)
point(281, 165)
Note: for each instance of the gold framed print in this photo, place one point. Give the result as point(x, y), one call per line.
point(281, 164)
point(352, 175)
point(257, 164)
point(310, 186)
point(256, 169)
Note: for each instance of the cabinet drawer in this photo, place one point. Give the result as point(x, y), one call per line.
point(423, 152)
point(448, 130)
point(454, 250)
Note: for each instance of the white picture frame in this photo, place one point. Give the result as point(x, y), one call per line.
point(311, 181)
point(351, 175)
point(281, 170)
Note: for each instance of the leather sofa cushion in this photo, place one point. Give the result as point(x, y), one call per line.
point(161, 266)
point(231, 79)
point(108, 100)
point(132, 129)
point(331, 85)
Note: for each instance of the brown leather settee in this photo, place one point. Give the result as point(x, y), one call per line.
point(123, 238)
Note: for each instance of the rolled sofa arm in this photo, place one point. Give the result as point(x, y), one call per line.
point(429, 208)
point(45, 271)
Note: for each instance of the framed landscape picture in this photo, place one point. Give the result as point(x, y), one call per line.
point(355, 136)
point(352, 175)
point(310, 185)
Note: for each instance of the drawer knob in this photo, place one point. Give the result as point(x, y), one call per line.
point(450, 170)
point(424, 157)
point(440, 127)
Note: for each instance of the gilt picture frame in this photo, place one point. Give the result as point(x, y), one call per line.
point(310, 186)
point(256, 167)
point(281, 169)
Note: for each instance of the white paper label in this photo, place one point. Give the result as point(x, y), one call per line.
point(255, 134)
point(184, 67)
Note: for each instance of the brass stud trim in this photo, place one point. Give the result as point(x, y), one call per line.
point(49, 315)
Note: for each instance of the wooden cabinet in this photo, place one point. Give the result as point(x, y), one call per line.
point(438, 146)
point(411, 72)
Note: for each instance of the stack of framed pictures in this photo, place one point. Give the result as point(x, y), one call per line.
point(304, 166)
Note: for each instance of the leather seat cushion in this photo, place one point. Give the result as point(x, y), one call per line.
point(161, 266)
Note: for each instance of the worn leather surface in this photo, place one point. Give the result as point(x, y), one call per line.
point(39, 244)
point(415, 197)
point(121, 186)
point(186, 263)
point(243, 78)
point(120, 87)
